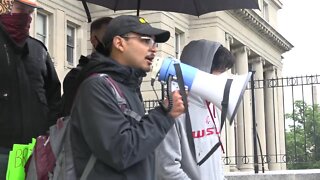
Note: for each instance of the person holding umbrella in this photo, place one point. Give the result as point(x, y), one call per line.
point(29, 86)
point(121, 146)
point(176, 159)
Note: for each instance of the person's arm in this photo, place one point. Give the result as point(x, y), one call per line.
point(169, 156)
point(53, 91)
point(109, 134)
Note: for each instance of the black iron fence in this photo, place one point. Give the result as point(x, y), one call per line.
point(296, 116)
point(302, 120)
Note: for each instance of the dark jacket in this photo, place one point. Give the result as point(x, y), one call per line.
point(29, 90)
point(72, 75)
point(123, 146)
point(69, 84)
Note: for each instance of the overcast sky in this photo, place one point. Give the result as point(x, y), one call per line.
point(299, 23)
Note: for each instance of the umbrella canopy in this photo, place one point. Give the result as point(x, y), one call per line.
point(191, 7)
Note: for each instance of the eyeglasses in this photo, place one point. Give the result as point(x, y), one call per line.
point(145, 39)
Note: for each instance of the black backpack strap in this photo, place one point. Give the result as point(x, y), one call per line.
point(88, 168)
point(185, 103)
point(224, 104)
point(215, 147)
point(122, 102)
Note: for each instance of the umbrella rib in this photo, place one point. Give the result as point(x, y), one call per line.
point(138, 7)
point(116, 5)
point(85, 6)
point(196, 7)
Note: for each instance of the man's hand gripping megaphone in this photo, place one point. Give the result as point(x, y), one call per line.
point(172, 86)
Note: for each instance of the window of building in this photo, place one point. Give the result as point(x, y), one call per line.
point(71, 45)
point(41, 28)
point(179, 40)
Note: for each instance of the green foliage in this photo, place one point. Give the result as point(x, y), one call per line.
point(303, 137)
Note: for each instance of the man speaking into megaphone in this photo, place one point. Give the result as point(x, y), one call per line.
point(178, 159)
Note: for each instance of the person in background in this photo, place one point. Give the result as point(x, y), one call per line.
point(175, 157)
point(30, 90)
point(97, 29)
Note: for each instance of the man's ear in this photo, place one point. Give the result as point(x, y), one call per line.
point(93, 41)
point(118, 43)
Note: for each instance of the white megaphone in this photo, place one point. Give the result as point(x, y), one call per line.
point(208, 86)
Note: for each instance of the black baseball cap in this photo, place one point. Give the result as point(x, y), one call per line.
point(124, 24)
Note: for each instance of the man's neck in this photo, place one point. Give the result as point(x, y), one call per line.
point(119, 59)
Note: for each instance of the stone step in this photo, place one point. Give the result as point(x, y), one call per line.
point(312, 174)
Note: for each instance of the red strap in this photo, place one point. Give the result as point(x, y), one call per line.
point(112, 82)
point(213, 116)
point(116, 86)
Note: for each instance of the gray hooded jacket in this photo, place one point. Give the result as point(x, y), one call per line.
point(174, 157)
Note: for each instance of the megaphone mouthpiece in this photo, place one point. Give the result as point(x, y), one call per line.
point(156, 66)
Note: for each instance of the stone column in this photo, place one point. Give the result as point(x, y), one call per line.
point(228, 132)
point(229, 41)
point(281, 125)
point(314, 94)
point(244, 117)
point(271, 118)
point(257, 66)
point(59, 57)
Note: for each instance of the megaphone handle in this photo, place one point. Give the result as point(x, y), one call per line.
point(169, 96)
point(185, 103)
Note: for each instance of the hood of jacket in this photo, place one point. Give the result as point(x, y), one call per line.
point(199, 54)
point(98, 63)
point(101, 64)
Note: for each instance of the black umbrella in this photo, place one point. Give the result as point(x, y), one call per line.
point(192, 7)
